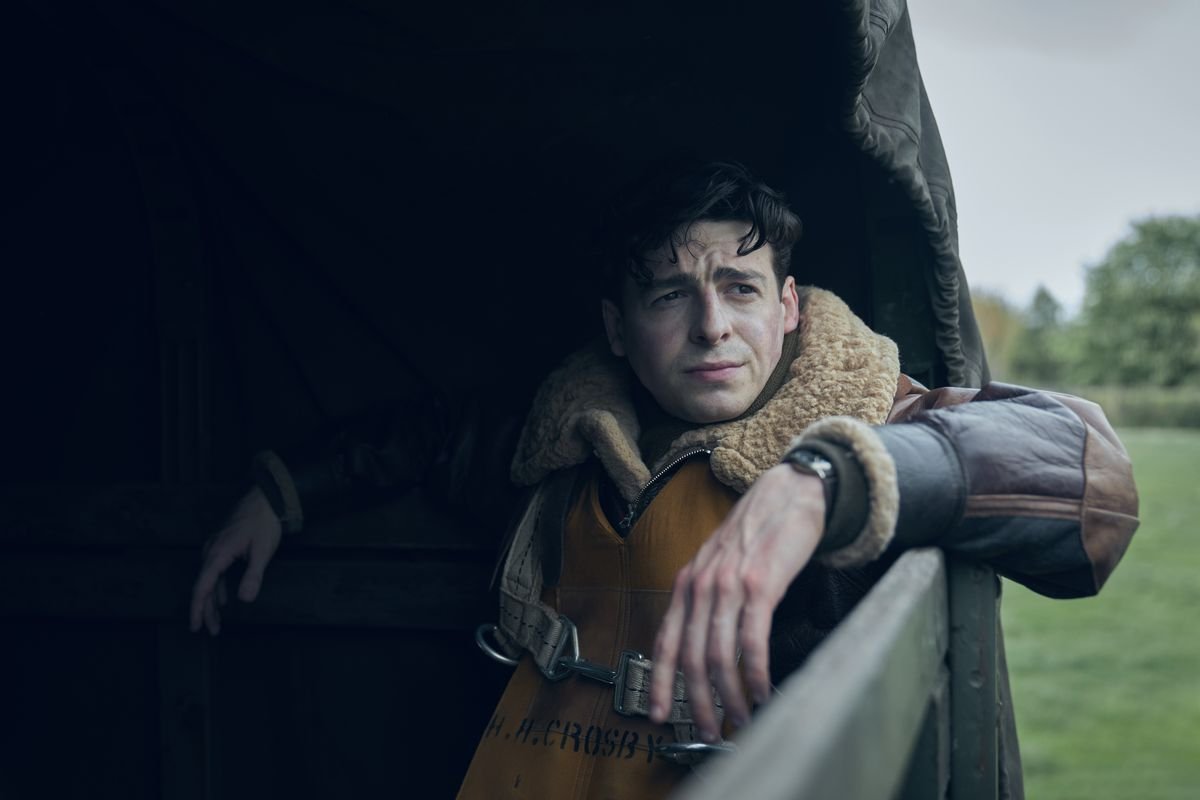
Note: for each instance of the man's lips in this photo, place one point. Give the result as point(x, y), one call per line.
point(714, 371)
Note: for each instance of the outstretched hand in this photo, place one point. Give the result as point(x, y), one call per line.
point(724, 598)
point(252, 532)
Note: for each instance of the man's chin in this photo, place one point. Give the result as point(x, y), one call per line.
point(708, 413)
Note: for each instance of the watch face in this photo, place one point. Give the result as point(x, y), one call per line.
point(811, 462)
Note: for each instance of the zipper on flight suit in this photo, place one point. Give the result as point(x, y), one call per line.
point(640, 502)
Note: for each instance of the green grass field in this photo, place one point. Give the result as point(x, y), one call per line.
point(1107, 689)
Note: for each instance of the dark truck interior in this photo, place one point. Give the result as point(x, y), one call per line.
point(229, 227)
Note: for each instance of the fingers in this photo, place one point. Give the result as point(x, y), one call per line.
point(719, 604)
point(698, 637)
point(252, 532)
point(721, 649)
point(195, 611)
point(754, 640)
point(200, 593)
point(260, 554)
point(216, 562)
point(666, 652)
point(212, 619)
point(693, 658)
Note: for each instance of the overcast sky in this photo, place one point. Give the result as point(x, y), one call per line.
point(1062, 122)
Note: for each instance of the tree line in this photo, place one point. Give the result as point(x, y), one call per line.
point(1139, 325)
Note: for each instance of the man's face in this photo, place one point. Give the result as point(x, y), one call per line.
point(704, 336)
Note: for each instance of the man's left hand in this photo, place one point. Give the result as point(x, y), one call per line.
point(724, 598)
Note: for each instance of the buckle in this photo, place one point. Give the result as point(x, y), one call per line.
point(621, 673)
point(559, 666)
point(602, 674)
point(596, 672)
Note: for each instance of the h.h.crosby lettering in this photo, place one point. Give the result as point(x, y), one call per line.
point(593, 740)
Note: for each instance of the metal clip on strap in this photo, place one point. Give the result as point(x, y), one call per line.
point(693, 752)
point(613, 677)
point(557, 667)
point(562, 666)
point(481, 639)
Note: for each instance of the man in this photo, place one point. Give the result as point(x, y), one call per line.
point(718, 485)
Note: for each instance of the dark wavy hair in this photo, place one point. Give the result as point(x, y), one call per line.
point(673, 196)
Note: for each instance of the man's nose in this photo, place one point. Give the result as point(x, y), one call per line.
point(711, 323)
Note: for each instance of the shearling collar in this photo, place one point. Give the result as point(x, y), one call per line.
point(585, 407)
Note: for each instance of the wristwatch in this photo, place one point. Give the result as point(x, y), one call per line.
point(810, 462)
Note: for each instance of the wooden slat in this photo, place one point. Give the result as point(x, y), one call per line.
point(928, 775)
point(845, 724)
point(973, 767)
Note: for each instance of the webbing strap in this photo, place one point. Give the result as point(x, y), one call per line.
point(535, 628)
point(526, 623)
point(636, 694)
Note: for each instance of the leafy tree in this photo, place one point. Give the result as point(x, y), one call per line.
point(1140, 322)
point(1038, 349)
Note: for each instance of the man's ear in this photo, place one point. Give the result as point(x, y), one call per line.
point(614, 327)
point(791, 305)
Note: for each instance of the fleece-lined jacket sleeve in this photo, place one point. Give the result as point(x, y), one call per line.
point(1036, 484)
point(459, 453)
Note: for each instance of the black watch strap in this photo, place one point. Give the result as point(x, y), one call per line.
point(811, 462)
point(848, 502)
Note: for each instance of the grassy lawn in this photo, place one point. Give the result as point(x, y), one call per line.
point(1107, 689)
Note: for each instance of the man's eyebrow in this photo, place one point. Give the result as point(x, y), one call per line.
point(733, 273)
point(676, 281)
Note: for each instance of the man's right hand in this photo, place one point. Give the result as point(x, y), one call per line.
point(252, 532)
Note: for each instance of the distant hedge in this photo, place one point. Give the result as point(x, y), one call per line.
point(1146, 406)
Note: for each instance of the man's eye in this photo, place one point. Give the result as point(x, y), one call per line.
point(668, 297)
point(745, 288)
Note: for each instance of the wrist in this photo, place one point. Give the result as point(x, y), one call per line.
point(274, 481)
point(860, 524)
point(805, 492)
point(821, 473)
